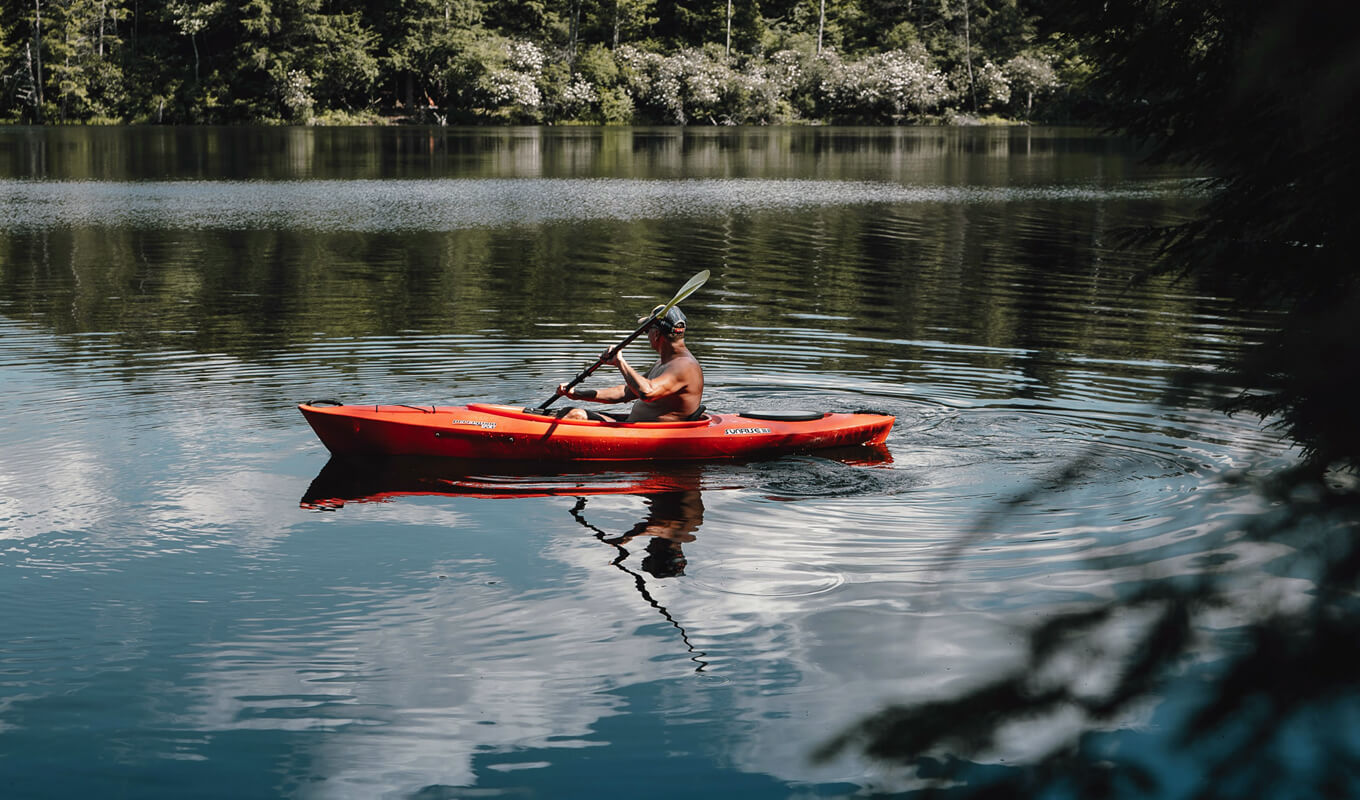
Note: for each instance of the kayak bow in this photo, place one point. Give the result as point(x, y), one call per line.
point(487, 431)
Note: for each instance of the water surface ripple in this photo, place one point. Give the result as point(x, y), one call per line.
point(202, 603)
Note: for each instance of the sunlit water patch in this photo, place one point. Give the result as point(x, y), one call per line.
point(445, 205)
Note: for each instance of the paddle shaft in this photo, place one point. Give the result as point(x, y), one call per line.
point(608, 355)
point(685, 291)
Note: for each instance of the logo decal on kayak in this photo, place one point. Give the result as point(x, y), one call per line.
point(478, 423)
point(740, 431)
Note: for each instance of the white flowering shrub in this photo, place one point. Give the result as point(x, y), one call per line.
point(511, 87)
point(884, 86)
point(696, 85)
point(992, 86)
point(784, 70)
point(636, 68)
point(524, 57)
point(665, 91)
point(905, 82)
point(579, 97)
point(985, 89)
point(813, 79)
point(656, 82)
point(758, 95)
point(580, 92)
point(295, 92)
point(702, 86)
point(1030, 74)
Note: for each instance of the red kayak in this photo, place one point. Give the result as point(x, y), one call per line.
point(486, 431)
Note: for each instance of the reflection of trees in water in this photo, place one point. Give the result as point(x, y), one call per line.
point(672, 518)
point(1263, 94)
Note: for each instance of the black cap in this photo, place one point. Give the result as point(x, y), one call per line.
point(672, 320)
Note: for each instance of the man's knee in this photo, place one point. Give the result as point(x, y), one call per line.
point(573, 413)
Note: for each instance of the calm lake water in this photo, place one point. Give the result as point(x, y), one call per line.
point(198, 604)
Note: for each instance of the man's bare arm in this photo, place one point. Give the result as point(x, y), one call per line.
point(613, 394)
point(671, 380)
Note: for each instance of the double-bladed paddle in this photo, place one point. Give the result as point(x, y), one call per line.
point(685, 291)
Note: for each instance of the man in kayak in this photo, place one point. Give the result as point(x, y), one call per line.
point(671, 389)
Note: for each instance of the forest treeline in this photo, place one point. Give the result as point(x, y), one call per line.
point(532, 61)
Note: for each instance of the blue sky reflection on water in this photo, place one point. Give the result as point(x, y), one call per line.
point(437, 640)
point(182, 623)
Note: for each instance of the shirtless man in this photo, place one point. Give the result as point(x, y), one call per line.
point(671, 389)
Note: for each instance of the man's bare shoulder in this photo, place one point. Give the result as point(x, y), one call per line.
point(678, 364)
point(685, 360)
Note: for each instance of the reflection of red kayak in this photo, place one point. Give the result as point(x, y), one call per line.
point(484, 431)
point(365, 479)
point(377, 480)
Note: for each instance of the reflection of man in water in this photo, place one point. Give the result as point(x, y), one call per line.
point(672, 518)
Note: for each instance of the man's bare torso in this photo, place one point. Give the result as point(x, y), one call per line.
point(677, 406)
